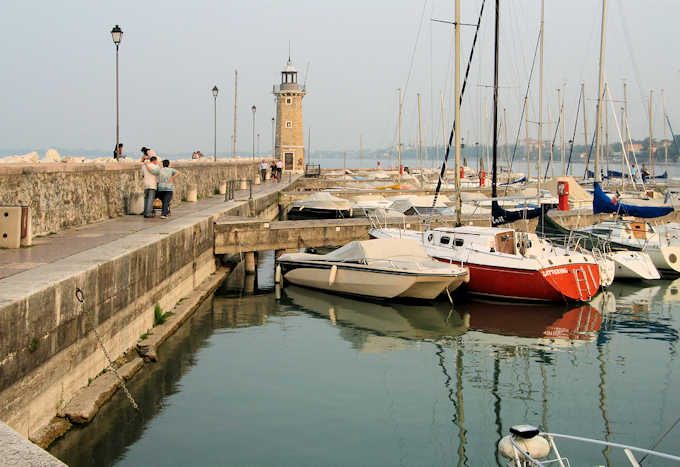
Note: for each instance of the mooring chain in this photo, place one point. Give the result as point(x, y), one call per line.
point(81, 298)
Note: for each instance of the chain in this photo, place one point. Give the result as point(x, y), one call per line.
point(81, 298)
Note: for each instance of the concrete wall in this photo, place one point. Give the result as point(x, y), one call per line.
point(68, 195)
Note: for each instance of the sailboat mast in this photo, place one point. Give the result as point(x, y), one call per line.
point(562, 125)
point(651, 139)
point(457, 111)
point(585, 121)
point(361, 150)
point(624, 123)
point(606, 133)
point(540, 104)
point(665, 146)
point(598, 176)
point(399, 139)
point(233, 149)
point(526, 132)
point(420, 140)
point(494, 175)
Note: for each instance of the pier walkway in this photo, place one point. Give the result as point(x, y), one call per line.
point(48, 249)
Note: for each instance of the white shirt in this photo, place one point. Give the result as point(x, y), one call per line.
point(150, 180)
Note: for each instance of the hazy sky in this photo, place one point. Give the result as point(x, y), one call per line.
point(57, 81)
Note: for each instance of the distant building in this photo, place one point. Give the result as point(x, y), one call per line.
point(635, 147)
point(289, 146)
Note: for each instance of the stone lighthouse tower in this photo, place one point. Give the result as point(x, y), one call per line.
point(289, 145)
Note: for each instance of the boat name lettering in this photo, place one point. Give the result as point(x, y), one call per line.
point(552, 272)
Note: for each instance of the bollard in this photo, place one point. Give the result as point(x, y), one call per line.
point(192, 193)
point(244, 184)
point(222, 188)
point(250, 185)
point(258, 179)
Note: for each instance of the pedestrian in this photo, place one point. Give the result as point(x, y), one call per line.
point(644, 172)
point(263, 170)
point(273, 170)
point(166, 185)
point(279, 170)
point(118, 152)
point(633, 172)
point(150, 180)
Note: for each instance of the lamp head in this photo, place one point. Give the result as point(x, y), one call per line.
point(116, 34)
point(215, 91)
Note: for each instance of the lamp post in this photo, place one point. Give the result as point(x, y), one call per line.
point(254, 109)
point(215, 91)
point(117, 36)
point(258, 145)
point(273, 138)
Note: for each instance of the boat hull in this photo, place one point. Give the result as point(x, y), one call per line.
point(550, 284)
point(634, 265)
point(297, 214)
point(666, 259)
point(381, 284)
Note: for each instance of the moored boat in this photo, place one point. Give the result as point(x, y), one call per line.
point(321, 205)
point(506, 264)
point(381, 269)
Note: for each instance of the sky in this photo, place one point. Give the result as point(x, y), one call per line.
point(57, 86)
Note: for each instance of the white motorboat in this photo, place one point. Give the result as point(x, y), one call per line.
point(383, 269)
point(321, 205)
point(507, 264)
point(639, 236)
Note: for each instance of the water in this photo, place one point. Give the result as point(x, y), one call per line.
point(316, 379)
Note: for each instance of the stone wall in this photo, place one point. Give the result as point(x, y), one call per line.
point(47, 347)
point(69, 195)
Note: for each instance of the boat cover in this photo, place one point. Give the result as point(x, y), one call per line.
point(323, 200)
point(602, 203)
point(366, 250)
point(500, 216)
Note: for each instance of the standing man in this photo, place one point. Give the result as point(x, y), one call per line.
point(150, 180)
point(166, 184)
point(118, 152)
point(279, 170)
point(263, 170)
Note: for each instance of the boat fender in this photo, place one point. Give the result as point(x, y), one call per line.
point(277, 274)
point(530, 442)
point(333, 274)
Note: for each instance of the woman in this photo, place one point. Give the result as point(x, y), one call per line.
point(166, 184)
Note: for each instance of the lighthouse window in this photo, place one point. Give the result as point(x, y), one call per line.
point(289, 124)
point(289, 100)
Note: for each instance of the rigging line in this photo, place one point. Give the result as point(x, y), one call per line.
point(442, 173)
point(415, 47)
point(592, 141)
point(636, 70)
point(557, 127)
point(524, 109)
point(573, 136)
point(653, 448)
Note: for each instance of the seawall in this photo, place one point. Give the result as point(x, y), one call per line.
point(47, 348)
point(64, 195)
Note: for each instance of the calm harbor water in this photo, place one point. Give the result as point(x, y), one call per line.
point(315, 379)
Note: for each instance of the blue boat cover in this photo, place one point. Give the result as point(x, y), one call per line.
point(602, 203)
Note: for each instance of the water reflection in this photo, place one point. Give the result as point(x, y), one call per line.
point(283, 371)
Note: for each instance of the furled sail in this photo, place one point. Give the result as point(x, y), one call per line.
point(602, 203)
point(500, 216)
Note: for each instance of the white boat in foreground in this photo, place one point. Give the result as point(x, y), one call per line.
point(384, 268)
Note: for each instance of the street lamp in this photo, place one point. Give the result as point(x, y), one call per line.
point(215, 91)
point(254, 109)
point(117, 36)
point(273, 138)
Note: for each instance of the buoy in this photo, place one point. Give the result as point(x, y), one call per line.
point(277, 274)
point(528, 439)
point(333, 274)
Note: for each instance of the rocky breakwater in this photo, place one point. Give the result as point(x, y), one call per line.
point(65, 192)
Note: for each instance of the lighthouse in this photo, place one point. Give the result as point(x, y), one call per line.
point(289, 144)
